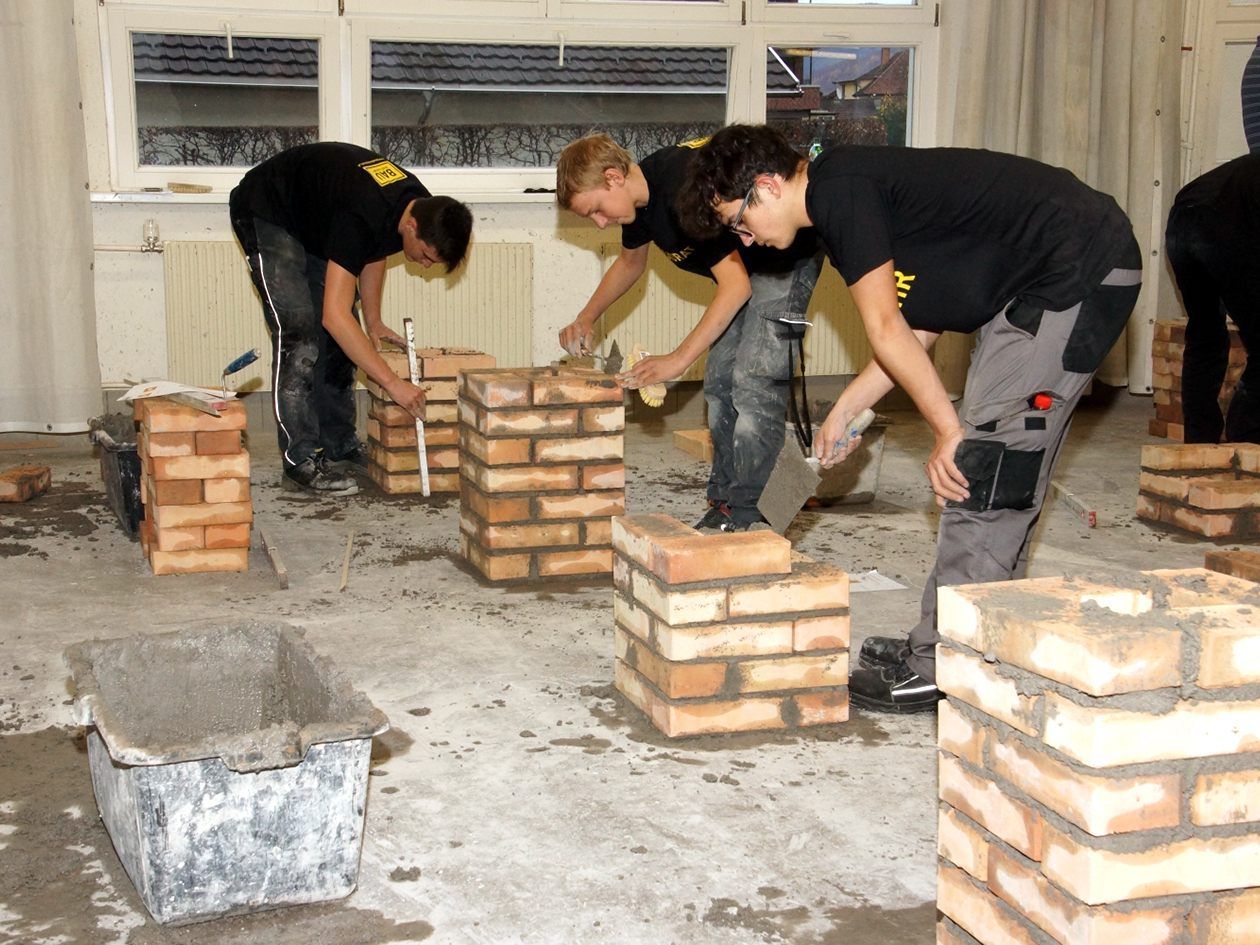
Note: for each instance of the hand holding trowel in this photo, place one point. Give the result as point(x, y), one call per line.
point(795, 476)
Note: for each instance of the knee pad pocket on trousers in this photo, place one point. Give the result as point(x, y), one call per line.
point(997, 477)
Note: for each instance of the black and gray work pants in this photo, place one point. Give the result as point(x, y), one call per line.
point(1028, 370)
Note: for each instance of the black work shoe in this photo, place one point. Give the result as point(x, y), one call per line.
point(718, 515)
point(354, 462)
point(883, 651)
point(742, 520)
point(315, 475)
point(892, 689)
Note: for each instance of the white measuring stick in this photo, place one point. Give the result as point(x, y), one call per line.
point(409, 329)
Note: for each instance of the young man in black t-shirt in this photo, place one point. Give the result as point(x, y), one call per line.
point(931, 240)
point(747, 377)
point(1213, 243)
point(316, 223)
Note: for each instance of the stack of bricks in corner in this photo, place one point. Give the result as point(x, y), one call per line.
point(195, 489)
point(1211, 490)
point(542, 471)
point(727, 632)
point(394, 464)
point(1099, 768)
point(1166, 356)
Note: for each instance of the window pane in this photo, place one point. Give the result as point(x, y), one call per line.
point(201, 101)
point(820, 96)
point(481, 105)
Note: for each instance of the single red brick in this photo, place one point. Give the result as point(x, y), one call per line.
point(187, 516)
point(224, 490)
point(181, 492)
point(574, 387)
point(577, 449)
point(494, 567)
point(200, 560)
point(218, 441)
point(231, 466)
point(585, 561)
point(501, 451)
point(603, 419)
point(160, 415)
point(1242, 564)
point(170, 444)
point(499, 388)
point(179, 539)
point(22, 483)
point(590, 504)
point(228, 536)
point(493, 509)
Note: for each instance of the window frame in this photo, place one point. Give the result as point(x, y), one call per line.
point(122, 120)
point(485, 182)
point(345, 60)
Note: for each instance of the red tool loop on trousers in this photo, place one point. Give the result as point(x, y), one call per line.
point(1042, 401)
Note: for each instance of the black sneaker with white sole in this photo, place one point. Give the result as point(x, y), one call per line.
point(315, 475)
point(353, 462)
point(883, 651)
point(892, 689)
point(715, 519)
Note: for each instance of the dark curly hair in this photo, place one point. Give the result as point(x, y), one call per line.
point(725, 168)
point(446, 225)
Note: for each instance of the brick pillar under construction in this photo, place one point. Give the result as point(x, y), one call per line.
point(1099, 764)
point(195, 487)
point(541, 471)
point(727, 632)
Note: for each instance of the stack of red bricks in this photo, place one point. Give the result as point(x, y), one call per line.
point(1167, 352)
point(195, 487)
point(1098, 762)
point(727, 632)
point(1211, 490)
point(541, 471)
point(394, 463)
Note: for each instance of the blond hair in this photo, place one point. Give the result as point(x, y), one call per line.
point(582, 164)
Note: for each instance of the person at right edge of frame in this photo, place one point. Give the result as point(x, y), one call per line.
point(1044, 268)
point(1213, 243)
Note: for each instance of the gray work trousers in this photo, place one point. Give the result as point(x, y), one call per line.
point(747, 383)
point(1011, 444)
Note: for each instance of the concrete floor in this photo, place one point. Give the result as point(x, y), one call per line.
point(517, 798)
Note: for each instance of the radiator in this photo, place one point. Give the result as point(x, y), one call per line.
point(213, 313)
point(666, 304)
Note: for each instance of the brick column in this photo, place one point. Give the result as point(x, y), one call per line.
point(1099, 776)
point(1208, 490)
point(541, 471)
point(394, 465)
point(1167, 351)
point(195, 487)
point(729, 632)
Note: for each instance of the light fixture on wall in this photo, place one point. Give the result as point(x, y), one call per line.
point(151, 242)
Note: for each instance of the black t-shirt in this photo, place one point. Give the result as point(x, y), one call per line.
point(666, 171)
point(658, 222)
point(967, 230)
point(340, 201)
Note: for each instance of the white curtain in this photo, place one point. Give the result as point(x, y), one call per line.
point(49, 373)
point(1090, 85)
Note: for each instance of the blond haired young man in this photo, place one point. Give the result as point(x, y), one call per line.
point(747, 379)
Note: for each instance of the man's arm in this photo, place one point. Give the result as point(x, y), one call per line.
point(621, 275)
point(904, 359)
point(733, 291)
point(339, 286)
point(371, 289)
point(863, 391)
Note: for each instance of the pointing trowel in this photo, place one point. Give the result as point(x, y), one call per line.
point(795, 477)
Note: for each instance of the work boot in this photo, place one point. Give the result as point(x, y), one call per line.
point(353, 462)
point(314, 475)
point(883, 651)
point(718, 515)
point(896, 688)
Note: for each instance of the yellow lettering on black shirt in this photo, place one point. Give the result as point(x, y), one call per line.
point(694, 143)
point(678, 257)
point(904, 285)
point(383, 172)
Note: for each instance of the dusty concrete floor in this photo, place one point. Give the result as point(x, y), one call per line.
point(517, 798)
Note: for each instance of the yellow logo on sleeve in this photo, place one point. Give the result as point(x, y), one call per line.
point(905, 283)
point(384, 172)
